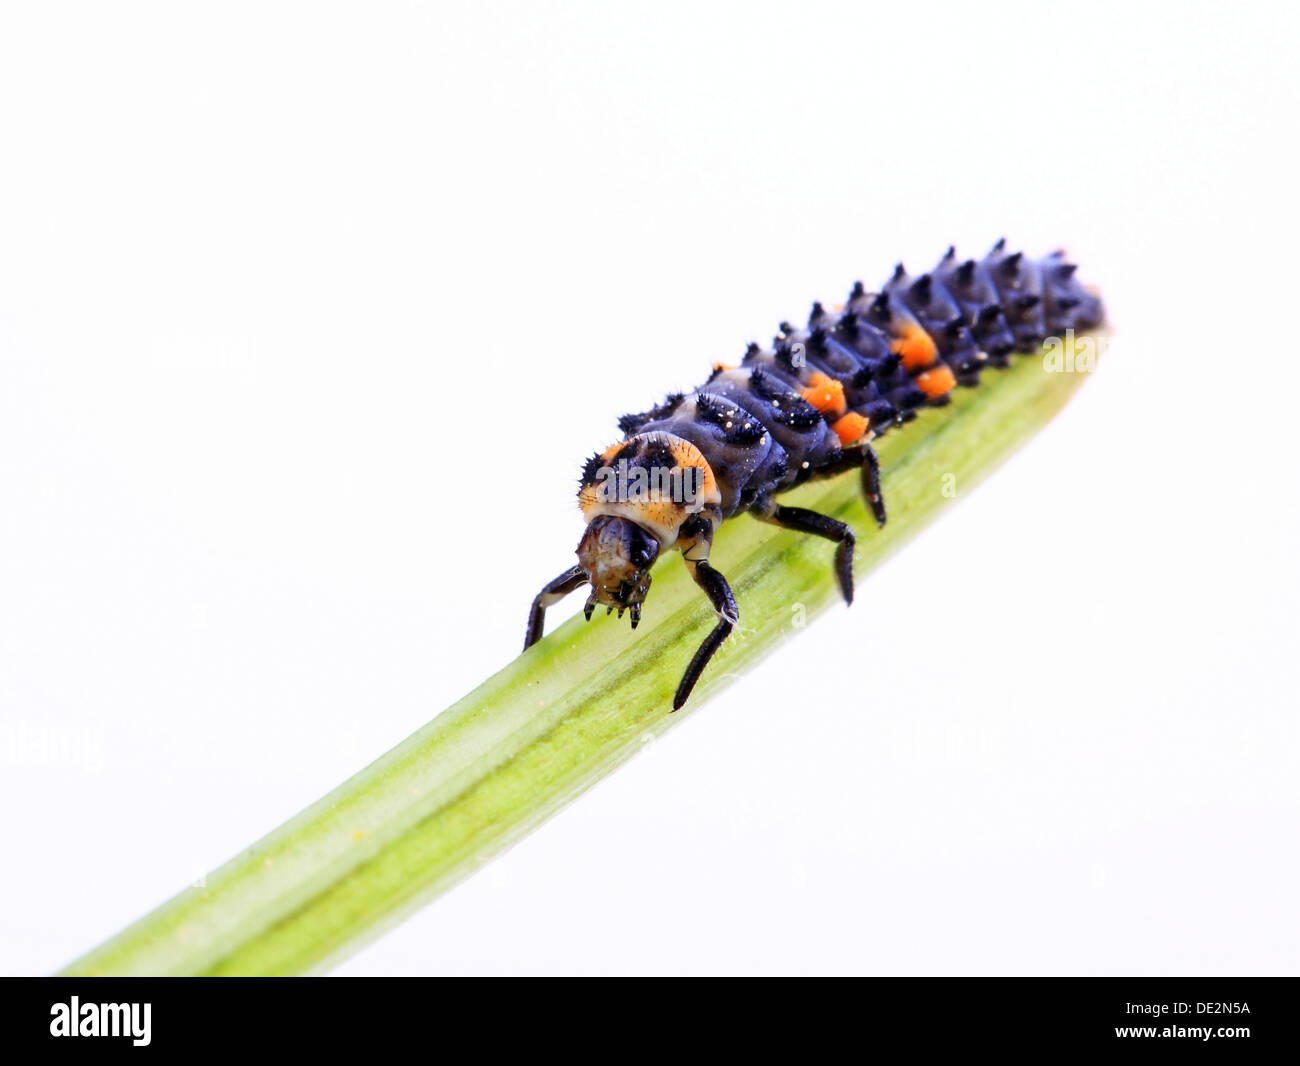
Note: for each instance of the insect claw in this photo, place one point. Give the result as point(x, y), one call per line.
point(636, 614)
point(590, 606)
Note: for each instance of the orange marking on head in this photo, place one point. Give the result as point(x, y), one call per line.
point(851, 428)
point(937, 382)
point(916, 348)
point(824, 393)
point(686, 455)
point(718, 368)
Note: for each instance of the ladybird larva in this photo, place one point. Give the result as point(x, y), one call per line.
point(807, 407)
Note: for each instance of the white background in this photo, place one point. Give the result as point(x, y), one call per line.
point(282, 287)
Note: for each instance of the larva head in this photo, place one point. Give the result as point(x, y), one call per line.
point(617, 555)
point(636, 497)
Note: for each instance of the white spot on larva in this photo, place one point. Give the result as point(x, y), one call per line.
point(730, 424)
point(804, 464)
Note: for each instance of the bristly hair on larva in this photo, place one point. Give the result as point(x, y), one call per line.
point(807, 406)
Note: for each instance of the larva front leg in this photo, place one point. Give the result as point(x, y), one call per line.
point(719, 592)
point(569, 581)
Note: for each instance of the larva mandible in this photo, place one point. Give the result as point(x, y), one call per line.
point(807, 408)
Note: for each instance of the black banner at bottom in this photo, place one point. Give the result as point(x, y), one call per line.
point(580, 1018)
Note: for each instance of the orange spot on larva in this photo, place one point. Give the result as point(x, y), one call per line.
point(824, 393)
point(718, 368)
point(851, 428)
point(916, 348)
point(937, 382)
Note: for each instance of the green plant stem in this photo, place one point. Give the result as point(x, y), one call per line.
point(566, 712)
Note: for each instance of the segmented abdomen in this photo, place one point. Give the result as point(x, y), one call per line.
point(790, 411)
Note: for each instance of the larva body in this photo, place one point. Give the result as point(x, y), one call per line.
point(807, 407)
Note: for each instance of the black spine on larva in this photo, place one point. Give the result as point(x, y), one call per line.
point(972, 287)
point(939, 314)
point(773, 421)
point(1019, 283)
point(630, 424)
point(1068, 304)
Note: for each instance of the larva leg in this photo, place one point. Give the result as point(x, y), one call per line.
point(573, 578)
point(871, 484)
point(862, 456)
point(719, 592)
point(804, 521)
